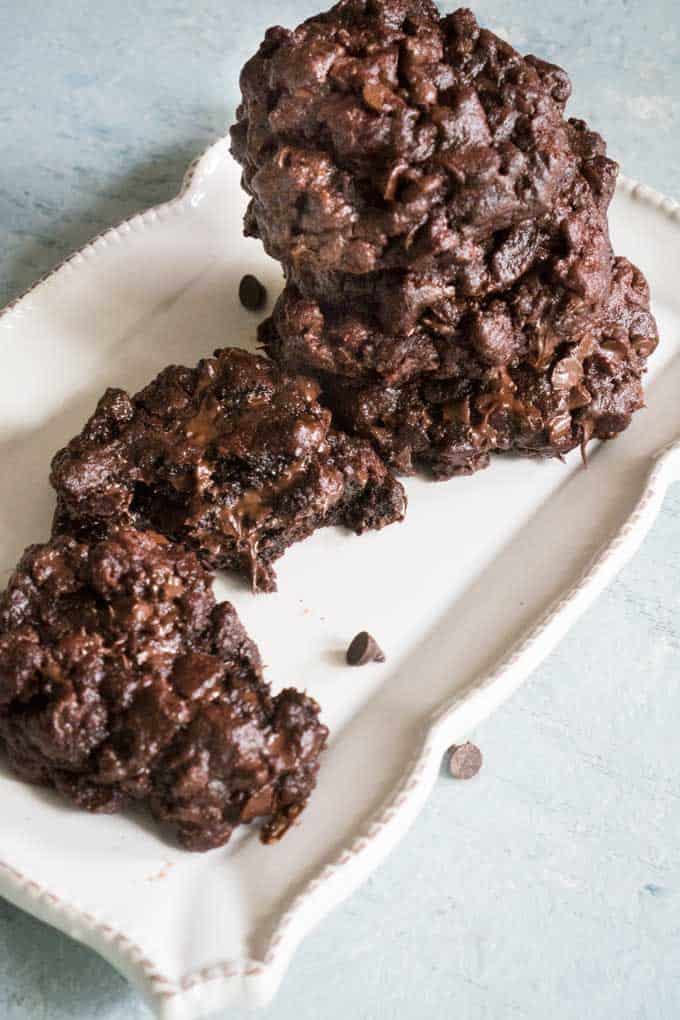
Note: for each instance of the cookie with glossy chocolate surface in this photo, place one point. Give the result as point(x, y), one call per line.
point(122, 680)
point(542, 405)
point(234, 458)
point(437, 291)
point(379, 135)
point(537, 288)
point(401, 326)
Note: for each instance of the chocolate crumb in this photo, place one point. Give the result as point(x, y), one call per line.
point(465, 760)
point(252, 294)
point(364, 649)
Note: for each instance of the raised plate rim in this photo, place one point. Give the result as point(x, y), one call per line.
point(180, 999)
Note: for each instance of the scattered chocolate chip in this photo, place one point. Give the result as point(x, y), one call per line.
point(465, 761)
point(364, 649)
point(252, 293)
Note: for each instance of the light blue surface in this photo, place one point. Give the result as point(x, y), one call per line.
point(550, 885)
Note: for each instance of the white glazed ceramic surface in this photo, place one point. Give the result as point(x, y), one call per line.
point(466, 597)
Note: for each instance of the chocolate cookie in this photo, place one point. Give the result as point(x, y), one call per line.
point(544, 405)
point(574, 233)
point(402, 325)
point(392, 321)
point(122, 680)
point(234, 458)
point(379, 135)
point(443, 231)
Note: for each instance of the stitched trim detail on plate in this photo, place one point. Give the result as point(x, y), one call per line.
point(425, 760)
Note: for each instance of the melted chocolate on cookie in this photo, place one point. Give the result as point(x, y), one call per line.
point(122, 680)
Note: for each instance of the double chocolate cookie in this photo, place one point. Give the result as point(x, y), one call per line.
point(122, 680)
point(451, 417)
point(378, 135)
point(234, 458)
point(443, 231)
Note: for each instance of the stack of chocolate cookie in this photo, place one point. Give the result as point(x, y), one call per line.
point(450, 279)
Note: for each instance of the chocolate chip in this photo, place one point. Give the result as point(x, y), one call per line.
point(252, 293)
point(465, 761)
point(364, 649)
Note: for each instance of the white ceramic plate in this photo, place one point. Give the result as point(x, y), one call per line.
point(467, 596)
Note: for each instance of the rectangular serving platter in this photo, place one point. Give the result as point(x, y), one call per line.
point(466, 597)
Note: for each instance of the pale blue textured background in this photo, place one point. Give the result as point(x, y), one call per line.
point(550, 885)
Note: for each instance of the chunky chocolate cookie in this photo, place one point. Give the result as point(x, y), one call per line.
point(443, 231)
point(392, 321)
point(234, 458)
point(551, 281)
point(121, 679)
point(545, 403)
point(379, 135)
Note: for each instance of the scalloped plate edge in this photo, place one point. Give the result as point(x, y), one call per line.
point(254, 982)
